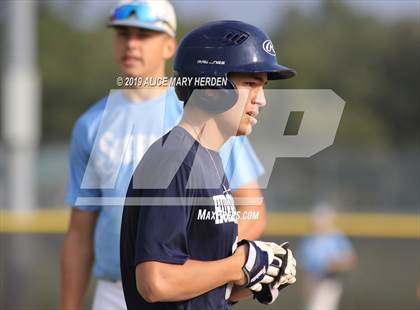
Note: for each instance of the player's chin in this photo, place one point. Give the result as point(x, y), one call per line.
point(244, 130)
point(132, 71)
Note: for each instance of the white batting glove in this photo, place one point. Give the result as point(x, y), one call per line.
point(288, 271)
point(262, 265)
point(274, 268)
point(269, 292)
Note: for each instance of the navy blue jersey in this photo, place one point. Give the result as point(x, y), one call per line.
point(178, 207)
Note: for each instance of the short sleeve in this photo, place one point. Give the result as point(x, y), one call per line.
point(343, 244)
point(162, 225)
point(240, 161)
point(78, 159)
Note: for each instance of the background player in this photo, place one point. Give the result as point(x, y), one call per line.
point(324, 256)
point(171, 258)
point(108, 142)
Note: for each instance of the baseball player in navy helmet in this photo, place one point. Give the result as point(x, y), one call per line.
point(110, 138)
point(179, 237)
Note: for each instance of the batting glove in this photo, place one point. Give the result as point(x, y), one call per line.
point(287, 276)
point(262, 265)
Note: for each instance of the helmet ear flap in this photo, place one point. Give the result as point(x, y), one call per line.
point(214, 100)
point(221, 99)
point(183, 93)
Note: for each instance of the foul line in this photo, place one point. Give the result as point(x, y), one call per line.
point(364, 225)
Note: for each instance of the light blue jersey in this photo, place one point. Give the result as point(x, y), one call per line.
point(108, 142)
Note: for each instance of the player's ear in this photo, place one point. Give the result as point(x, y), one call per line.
point(169, 47)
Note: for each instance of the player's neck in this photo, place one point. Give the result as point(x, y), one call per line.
point(207, 133)
point(139, 95)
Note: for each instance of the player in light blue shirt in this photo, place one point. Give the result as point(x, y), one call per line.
point(324, 256)
point(107, 144)
point(109, 140)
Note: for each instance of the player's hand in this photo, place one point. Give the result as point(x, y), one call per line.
point(287, 276)
point(262, 266)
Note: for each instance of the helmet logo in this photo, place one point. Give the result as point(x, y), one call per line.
point(268, 47)
point(210, 62)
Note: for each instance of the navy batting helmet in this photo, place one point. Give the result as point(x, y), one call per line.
point(222, 47)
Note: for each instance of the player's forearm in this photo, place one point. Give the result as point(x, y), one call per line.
point(253, 216)
point(249, 227)
point(343, 264)
point(169, 282)
point(76, 263)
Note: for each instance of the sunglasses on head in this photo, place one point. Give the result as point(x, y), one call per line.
point(142, 12)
